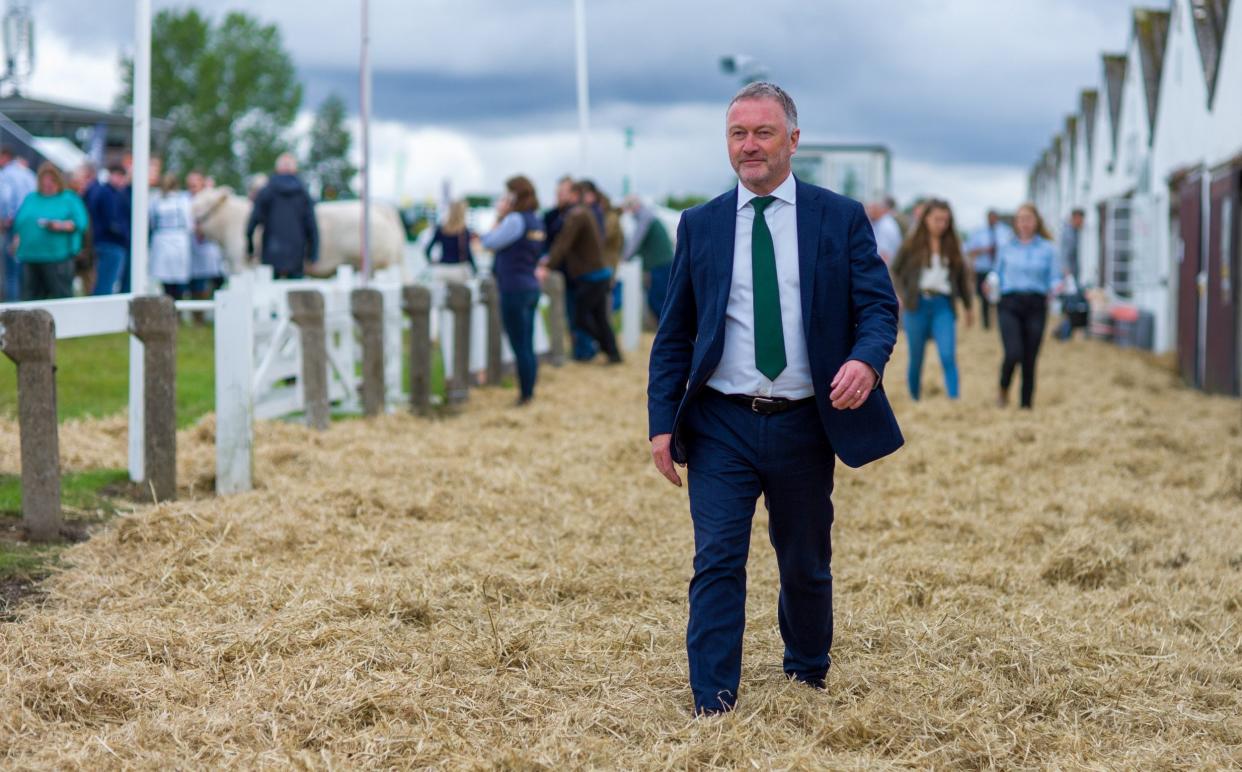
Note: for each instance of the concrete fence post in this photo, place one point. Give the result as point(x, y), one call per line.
point(491, 299)
point(306, 311)
point(418, 305)
point(460, 302)
point(153, 320)
point(554, 288)
point(28, 337)
point(367, 306)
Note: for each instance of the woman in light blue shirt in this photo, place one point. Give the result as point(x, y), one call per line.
point(1028, 268)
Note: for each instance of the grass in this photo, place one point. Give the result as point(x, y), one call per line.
point(83, 495)
point(79, 491)
point(92, 376)
point(24, 562)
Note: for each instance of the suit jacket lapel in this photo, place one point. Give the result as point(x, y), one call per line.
point(808, 216)
point(724, 233)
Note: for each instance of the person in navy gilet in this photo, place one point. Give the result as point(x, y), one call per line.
point(517, 241)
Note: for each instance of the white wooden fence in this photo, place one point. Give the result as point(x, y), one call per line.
point(258, 353)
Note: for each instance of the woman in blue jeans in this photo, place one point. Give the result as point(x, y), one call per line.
point(517, 241)
point(931, 279)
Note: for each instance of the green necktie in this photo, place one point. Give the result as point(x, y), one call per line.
point(769, 336)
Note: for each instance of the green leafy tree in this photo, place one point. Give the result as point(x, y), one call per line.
point(328, 158)
point(229, 88)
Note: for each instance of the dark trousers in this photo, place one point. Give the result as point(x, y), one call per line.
point(1022, 317)
point(110, 262)
point(12, 270)
point(593, 314)
point(735, 456)
point(583, 344)
point(47, 281)
point(985, 307)
point(517, 314)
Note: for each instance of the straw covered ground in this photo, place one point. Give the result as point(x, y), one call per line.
point(506, 589)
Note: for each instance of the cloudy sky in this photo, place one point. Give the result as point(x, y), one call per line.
point(966, 93)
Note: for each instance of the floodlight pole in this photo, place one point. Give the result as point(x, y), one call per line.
point(583, 96)
point(366, 141)
point(141, 186)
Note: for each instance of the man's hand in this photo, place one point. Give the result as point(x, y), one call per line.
point(852, 385)
point(663, 457)
point(541, 273)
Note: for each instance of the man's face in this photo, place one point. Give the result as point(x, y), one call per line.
point(194, 183)
point(565, 194)
point(117, 180)
point(993, 218)
point(589, 198)
point(760, 144)
point(1076, 221)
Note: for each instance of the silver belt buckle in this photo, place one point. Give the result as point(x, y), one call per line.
point(755, 402)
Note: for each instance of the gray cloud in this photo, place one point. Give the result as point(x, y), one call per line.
point(952, 81)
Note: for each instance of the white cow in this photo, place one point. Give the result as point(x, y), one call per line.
point(222, 216)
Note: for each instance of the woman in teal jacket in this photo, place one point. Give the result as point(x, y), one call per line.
point(49, 227)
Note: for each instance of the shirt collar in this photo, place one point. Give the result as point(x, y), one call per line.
point(787, 191)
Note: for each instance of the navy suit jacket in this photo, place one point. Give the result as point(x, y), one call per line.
point(849, 311)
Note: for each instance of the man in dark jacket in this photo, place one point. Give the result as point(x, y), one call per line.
point(584, 348)
point(284, 209)
point(579, 252)
point(109, 207)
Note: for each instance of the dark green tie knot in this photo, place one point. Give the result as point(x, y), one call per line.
point(761, 202)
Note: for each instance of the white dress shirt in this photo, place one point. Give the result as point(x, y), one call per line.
point(935, 277)
point(737, 373)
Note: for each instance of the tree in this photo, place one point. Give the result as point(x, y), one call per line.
point(229, 88)
point(328, 158)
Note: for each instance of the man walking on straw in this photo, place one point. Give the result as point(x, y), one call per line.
point(779, 321)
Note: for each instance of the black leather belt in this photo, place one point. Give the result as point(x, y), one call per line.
point(764, 405)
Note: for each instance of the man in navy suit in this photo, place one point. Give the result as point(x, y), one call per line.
point(779, 321)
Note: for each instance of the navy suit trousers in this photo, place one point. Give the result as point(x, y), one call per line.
point(734, 455)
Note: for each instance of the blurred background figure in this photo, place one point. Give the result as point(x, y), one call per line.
point(172, 237)
point(84, 182)
point(290, 234)
point(931, 278)
point(109, 206)
point(1074, 304)
point(16, 183)
point(614, 243)
point(579, 249)
point(517, 241)
point(981, 249)
point(554, 221)
point(48, 232)
point(1028, 269)
point(888, 235)
point(206, 257)
point(650, 242)
point(455, 259)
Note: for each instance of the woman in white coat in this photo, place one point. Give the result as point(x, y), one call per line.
point(172, 237)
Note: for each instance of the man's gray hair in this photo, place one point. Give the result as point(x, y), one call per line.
point(765, 90)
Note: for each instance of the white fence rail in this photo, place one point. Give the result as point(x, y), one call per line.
point(258, 356)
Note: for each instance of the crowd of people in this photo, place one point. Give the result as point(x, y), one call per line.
point(582, 238)
point(938, 280)
point(58, 232)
